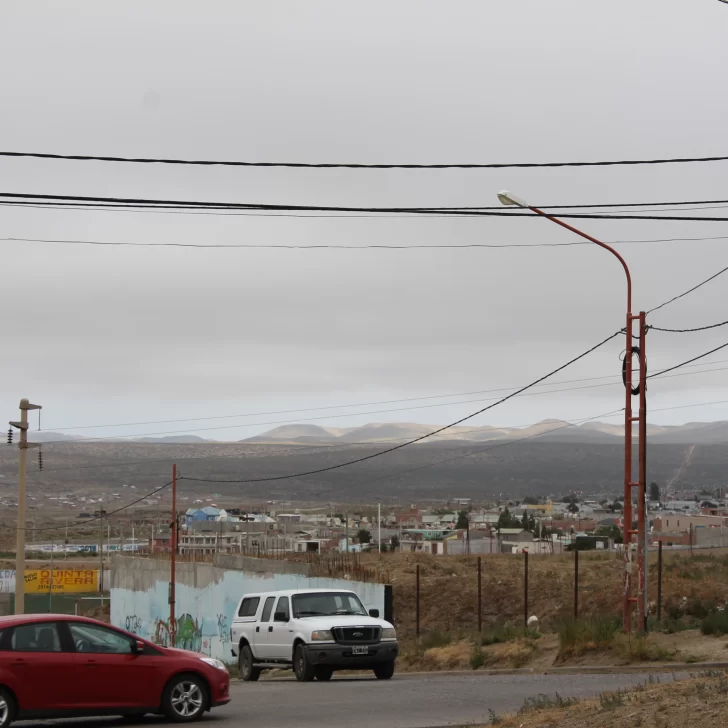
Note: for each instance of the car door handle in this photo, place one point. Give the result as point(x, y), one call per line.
point(20, 663)
point(91, 663)
point(257, 629)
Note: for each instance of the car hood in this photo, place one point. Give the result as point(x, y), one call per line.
point(342, 620)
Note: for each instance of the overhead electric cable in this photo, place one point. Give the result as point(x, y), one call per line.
point(354, 165)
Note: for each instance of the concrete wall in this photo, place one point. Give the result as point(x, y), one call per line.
point(207, 596)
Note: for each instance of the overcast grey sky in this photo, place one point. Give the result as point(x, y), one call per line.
point(113, 335)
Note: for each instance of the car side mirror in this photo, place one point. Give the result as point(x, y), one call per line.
point(280, 617)
point(374, 613)
point(137, 647)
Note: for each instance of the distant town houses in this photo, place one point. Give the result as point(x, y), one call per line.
point(547, 526)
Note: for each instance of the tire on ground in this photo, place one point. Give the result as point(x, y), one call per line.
point(303, 669)
point(248, 671)
point(7, 707)
point(185, 698)
point(384, 671)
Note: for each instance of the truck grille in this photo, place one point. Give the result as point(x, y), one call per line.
point(357, 635)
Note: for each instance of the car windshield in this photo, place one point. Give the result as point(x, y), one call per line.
point(327, 603)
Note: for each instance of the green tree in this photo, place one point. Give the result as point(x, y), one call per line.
point(394, 542)
point(573, 508)
point(508, 520)
point(654, 492)
point(571, 498)
point(463, 521)
point(363, 536)
point(530, 501)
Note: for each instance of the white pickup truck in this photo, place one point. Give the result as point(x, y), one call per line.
point(315, 631)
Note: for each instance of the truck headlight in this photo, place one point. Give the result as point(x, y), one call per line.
point(322, 635)
point(389, 633)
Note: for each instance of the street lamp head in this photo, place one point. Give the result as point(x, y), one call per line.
point(508, 198)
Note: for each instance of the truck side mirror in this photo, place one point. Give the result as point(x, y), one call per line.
point(374, 613)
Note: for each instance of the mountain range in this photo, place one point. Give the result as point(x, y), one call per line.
point(691, 433)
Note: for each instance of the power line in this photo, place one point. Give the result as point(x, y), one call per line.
point(354, 165)
point(695, 358)
point(686, 331)
point(85, 199)
point(279, 246)
point(422, 437)
point(690, 290)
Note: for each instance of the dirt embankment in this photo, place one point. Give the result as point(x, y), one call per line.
point(701, 701)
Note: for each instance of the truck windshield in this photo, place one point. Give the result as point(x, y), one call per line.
point(327, 603)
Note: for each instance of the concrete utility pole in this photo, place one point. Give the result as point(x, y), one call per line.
point(25, 405)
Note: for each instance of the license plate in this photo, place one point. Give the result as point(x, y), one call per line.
point(360, 650)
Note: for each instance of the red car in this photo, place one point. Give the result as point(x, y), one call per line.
point(57, 666)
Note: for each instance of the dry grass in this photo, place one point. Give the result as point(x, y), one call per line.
point(701, 701)
point(448, 600)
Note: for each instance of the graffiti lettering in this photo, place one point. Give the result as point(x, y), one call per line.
point(188, 633)
point(133, 623)
point(223, 630)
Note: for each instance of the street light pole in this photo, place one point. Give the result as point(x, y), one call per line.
point(508, 198)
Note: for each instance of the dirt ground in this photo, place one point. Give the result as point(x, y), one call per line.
point(700, 702)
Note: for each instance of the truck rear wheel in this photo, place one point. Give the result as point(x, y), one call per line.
point(248, 671)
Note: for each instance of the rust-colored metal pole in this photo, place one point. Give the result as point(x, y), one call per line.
point(525, 590)
point(642, 545)
point(659, 581)
point(480, 595)
point(417, 600)
point(627, 600)
point(576, 583)
point(173, 562)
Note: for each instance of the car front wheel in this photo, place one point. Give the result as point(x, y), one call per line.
point(7, 708)
point(304, 670)
point(324, 673)
point(184, 699)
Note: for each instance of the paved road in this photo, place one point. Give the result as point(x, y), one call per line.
point(407, 701)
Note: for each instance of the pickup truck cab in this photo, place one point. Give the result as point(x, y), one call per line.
point(314, 631)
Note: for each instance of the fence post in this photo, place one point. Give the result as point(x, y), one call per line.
point(480, 595)
point(659, 580)
point(525, 590)
point(576, 583)
point(417, 600)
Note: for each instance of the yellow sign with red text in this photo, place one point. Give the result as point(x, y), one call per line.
point(62, 581)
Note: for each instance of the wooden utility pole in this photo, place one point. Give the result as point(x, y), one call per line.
point(25, 405)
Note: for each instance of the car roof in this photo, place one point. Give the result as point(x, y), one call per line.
point(18, 619)
point(293, 592)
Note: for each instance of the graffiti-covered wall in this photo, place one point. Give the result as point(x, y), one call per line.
point(206, 598)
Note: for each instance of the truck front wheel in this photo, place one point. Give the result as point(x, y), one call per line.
point(304, 670)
